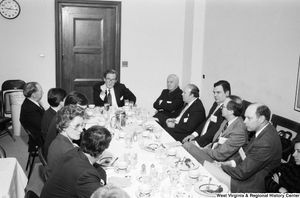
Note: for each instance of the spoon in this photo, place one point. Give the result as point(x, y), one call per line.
point(207, 188)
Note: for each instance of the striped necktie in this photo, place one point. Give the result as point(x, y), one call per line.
point(109, 98)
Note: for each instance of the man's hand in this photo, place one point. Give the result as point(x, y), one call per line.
point(170, 122)
point(188, 138)
point(103, 88)
point(227, 163)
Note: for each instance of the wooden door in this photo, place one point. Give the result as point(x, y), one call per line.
point(88, 43)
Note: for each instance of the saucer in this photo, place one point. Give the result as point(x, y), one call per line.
point(182, 194)
point(138, 194)
point(152, 146)
point(120, 171)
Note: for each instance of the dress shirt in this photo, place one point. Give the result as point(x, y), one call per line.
point(113, 97)
point(182, 112)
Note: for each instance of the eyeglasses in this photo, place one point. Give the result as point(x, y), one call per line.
point(110, 80)
point(78, 126)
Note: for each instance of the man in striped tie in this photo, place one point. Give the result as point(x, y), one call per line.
point(231, 136)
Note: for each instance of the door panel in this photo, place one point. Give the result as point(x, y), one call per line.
point(89, 44)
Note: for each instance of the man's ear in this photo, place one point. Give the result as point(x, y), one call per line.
point(262, 118)
point(227, 93)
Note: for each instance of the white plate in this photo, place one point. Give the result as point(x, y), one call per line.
point(137, 193)
point(182, 194)
point(201, 188)
point(182, 166)
point(117, 170)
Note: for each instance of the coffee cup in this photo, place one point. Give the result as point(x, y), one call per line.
point(122, 166)
point(145, 190)
point(194, 175)
point(91, 106)
point(122, 134)
point(172, 152)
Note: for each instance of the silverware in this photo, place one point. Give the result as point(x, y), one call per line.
point(114, 161)
point(207, 188)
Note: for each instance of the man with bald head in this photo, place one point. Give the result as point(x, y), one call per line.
point(263, 153)
point(170, 102)
point(190, 116)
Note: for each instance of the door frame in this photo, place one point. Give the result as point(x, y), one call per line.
point(58, 32)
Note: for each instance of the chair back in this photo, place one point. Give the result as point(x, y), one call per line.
point(2, 153)
point(285, 123)
point(8, 87)
point(31, 194)
point(41, 156)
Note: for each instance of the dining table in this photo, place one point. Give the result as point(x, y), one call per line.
point(153, 157)
point(13, 180)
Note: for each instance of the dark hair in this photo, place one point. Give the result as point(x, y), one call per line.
point(225, 84)
point(76, 98)
point(236, 105)
point(111, 71)
point(29, 89)
point(194, 90)
point(95, 140)
point(263, 110)
point(55, 96)
point(66, 114)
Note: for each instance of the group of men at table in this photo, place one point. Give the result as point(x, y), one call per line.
point(220, 136)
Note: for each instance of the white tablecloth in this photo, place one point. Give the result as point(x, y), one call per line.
point(12, 179)
point(117, 148)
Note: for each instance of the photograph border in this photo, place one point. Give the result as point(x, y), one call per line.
point(297, 97)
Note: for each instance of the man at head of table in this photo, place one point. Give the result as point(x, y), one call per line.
point(111, 91)
point(263, 153)
point(190, 116)
point(170, 102)
point(205, 132)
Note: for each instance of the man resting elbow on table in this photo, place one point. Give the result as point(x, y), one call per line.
point(190, 117)
point(230, 137)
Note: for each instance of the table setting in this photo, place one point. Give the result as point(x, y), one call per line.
point(147, 162)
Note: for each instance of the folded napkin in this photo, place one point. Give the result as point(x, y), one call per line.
point(120, 181)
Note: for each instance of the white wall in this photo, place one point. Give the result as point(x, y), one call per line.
point(255, 45)
point(156, 40)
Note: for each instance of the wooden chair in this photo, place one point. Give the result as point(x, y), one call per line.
point(286, 124)
point(2, 153)
point(31, 194)
point(44, 162)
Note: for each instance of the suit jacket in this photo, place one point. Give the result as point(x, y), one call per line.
point(59, 146)
point(51, 134)
point(170, 106)
point(212, 128)
point(73, 177)
point(188, 122)
point(236, 135)
point(47, 118)
point(121, 92)
point(263, 153)
point(31, 118)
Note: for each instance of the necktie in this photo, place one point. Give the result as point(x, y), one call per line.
point(109, 98)
point(215, 143)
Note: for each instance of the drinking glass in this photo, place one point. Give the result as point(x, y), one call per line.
point(126, 102)
point(174, 176)
point(155, 183)
point(133, 160)
point(131, 103)
point(157, 133)
point(165, 192)
point(128, 140)
point(140, 140)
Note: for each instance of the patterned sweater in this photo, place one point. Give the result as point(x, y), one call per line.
point(289, 179)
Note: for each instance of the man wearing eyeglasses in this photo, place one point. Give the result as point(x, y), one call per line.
point(111, 91)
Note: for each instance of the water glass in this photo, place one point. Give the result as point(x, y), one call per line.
point(133, 160)
point(126, 102)
point(174, 176)
point(155, 183)
point(157, 133)
point(128, 140)
point(165, 192)
point(140, 140)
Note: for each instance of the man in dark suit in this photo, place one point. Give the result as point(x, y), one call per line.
point(56, 98)
point(230, 137)
point(190, 117)
point(111, 91)
point(205, 132)
point(263, 153)
point(75, 175)
point(75, 98)
point(170, 102)
point(32, 113)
